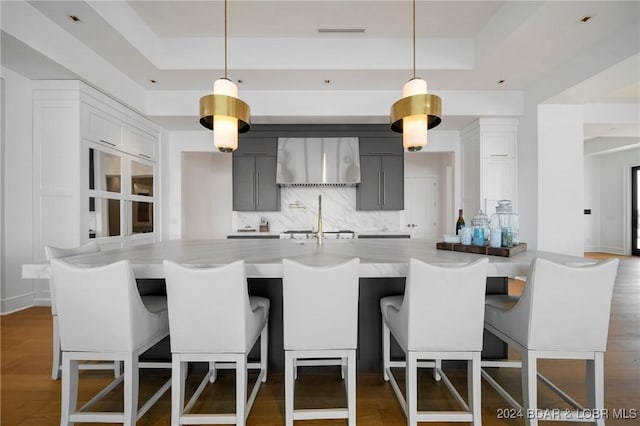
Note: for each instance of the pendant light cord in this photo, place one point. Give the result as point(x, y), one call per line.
point(225, 39)
point(414, 38)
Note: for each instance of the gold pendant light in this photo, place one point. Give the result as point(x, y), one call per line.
point(417, 111)
point(222, 111)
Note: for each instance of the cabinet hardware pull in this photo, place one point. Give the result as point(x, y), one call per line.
point(253, 188)
point(107, 142)
point(144, 156)
point(257, 189)
point(384, 188)
point(499, 155)
point(379, 187)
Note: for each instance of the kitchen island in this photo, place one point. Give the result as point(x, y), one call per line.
point(383, 268)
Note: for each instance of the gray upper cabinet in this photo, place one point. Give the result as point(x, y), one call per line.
point(382, 174)
point(254, 175)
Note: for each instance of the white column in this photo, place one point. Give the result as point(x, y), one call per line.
point(560, 179)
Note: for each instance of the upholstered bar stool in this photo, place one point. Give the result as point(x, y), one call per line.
point(60, 253)
point(320, 316)
point(212, 319)
point(102, 317)
point(563, 313)
point(438, 318)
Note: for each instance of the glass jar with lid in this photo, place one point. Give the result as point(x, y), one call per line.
point(480, 226)
point(506, 221)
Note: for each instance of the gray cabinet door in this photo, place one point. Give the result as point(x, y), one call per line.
point(267, 191)
point(392, 182)
point(381, 183)
point(244, 181)
point(369, 196)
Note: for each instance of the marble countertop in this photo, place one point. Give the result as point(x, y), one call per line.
point(271, 234)
point(263, 257)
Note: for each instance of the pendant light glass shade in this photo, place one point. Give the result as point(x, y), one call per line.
point(414, 127)
point(225, 128)
point(223, 112)
point(417, 111)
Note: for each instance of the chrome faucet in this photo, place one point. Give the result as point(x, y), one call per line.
point(319, 234)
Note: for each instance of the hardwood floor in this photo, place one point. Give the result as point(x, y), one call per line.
point(30, 397)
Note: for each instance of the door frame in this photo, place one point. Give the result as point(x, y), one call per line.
point(635, 184)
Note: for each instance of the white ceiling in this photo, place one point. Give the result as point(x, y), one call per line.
point(275, 45)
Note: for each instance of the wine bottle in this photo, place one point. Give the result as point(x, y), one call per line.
point(460, 222)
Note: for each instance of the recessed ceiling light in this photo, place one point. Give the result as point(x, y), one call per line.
point(327, 81)
point(340, 30)
point(74, 18)
point(500, 81)
point(585, 19)
point(240, 81)
point(153, 81)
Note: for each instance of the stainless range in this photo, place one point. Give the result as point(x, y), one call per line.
point(308, 234)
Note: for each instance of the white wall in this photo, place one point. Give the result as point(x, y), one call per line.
point(615, 200)
point(17, 191)
point(206, 195)
point(177, 143)
point(560, 179)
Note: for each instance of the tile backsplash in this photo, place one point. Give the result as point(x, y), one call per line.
point(299, 211)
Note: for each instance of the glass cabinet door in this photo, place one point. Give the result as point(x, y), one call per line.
point(141, 182)
point(105, 171)
point(105, 194)
point(121, 195)
point(104, 217)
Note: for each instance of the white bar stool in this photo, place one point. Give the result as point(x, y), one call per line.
point(563, 313)
point(320, 316)
point(438, 318)
point(101, 317)
point(52, 252)
point(212, 319)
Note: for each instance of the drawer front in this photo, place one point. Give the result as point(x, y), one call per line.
point(142, 144)
point(104, 129)
point(498, 145)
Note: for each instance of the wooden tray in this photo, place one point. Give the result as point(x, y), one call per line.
point(486, 250)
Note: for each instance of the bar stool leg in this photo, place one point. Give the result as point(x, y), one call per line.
point(241, 389)
point(386, 355)
point(595, 385)
point(56, 361)
point(264, 351)
point(289, 387)
point(436, 370)
point(178, 382)
point(351, 387)
point(473, 384)
point(411, 372)
point(530, 388)
point(69, 389)
point(131, 389)
point(214, 372)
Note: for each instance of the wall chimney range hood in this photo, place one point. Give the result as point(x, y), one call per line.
point(318, 162)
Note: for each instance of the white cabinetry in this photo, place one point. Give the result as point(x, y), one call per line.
point(489, 164)
point(95, 169)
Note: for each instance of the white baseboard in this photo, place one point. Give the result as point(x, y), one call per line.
point(42, 302)
point(614, 250)
point(16, 303)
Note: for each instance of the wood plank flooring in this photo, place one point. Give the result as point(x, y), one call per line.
point(30, 397)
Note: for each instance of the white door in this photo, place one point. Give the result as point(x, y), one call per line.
point(421, 214)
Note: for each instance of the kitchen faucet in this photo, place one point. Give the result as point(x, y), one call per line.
point(319, 235)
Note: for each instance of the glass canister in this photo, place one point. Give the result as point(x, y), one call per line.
point(480, 226)
point(507, 221)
